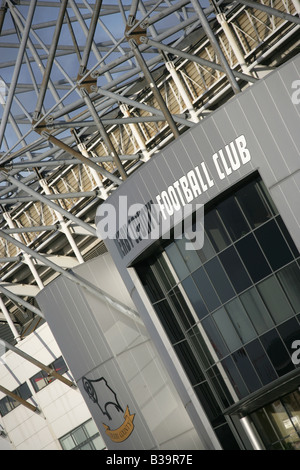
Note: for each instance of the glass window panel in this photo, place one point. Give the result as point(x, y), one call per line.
point(233, 218)
point(235, 377)
point(273, 244)
point(86, 447)
point(219, 279)
point(207, 252)
point(253, 258)
point(191, 257)
point(60, 366)
point(246, 370)
point(5, 406)
point(24, 391)
point(255, 203)
point(79, 436)
point(275, 299)
point(240, 320)
point(257, 310)
point(290, 281)
point(235, 269)
point(39, 381)
point(264, 427)
point(292, 404)
point(177, 261)
point(214, 336)
point(189, 362)
point(195, 297)
point(227, 329)
point(277, 352)
point(287, 236)
point(67, 443)
point(98, 443)
point(206, 289)
point(261, 362)
point(278, 417)
point(169, 321)
point(215, 230)
point(289, 332)
point(91, 428)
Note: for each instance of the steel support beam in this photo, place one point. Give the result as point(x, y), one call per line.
point(151, 82)
point(50, 60)
point(38, 228)
point(19, 399)
point(64, 228)
point(27, 258)
point(135, 104)
point(90, 37)
point(37, 196)
point(104, 134)
point(58, 143)
point(53, 197)
point(196, 59)
point(271, 11)
point(19, 300)
point(40, 365)
point(85, 284)
point(17, 68)
point(9, 320)
point(215, 44)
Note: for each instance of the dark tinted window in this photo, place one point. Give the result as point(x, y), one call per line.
point(277, 352)
point(253, 258)
point(215, 337)
point(235, 269)
point(233, 218)
point(219, 279)
point(195, 297)
point(261, 362)
point(246, 370)
point(206, 289)
point(255, 203)
point(273, 244)
point(215, 231)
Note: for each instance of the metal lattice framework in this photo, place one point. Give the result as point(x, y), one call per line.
point(89, 91)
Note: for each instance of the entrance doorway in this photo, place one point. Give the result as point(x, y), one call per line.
point(278, 423)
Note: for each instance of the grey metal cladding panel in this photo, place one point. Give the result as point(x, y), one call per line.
point(263, 140)
point(74, 326)
point(278, 142)
point(196, 147)
point(289, 114)
point(286, 196)
point(152, 179)
point(172, 164)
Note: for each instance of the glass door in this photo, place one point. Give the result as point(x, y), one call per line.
point(278, 423)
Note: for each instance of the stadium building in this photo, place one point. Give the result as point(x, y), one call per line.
point(150, 225)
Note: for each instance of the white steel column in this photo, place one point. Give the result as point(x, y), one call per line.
point(96, 176)
point(233, 43)
point(182, 91)
point(9, 320)
point(27, 258)
point(64, 228)
point(136, 133)
point(297, 5)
